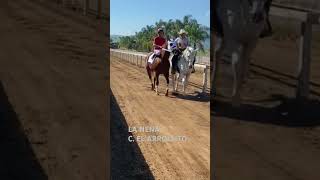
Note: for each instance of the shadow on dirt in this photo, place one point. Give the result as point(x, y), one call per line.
point(127, 161)
point(288, 113)
point(281, 74)
point(196, 96)
point(17, 159)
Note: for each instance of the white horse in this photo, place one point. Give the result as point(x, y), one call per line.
point(242, 22)
point(185, 67)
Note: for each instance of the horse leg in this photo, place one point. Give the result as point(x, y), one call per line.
point(215, 69)
point(177, 82)
point(154, 84)
point(150, 77)
point(149, 71)
point(173, 82)
point(238, 75)
point(184, 78)
point(157, 83)
point(167, 78)
point(186, 81)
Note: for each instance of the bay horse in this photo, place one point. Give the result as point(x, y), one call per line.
point(160, 65)
point(239, 25)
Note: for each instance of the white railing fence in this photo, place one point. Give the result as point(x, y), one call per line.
point(138, 59)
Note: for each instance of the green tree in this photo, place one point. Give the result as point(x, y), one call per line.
point(142, 40)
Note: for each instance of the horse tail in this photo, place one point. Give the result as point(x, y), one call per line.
point(147, 67)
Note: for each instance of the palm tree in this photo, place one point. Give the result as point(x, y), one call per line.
point(197, 33)
point(142, 40)
point(187, 19)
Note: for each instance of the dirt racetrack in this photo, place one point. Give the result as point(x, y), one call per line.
point(52, 93)
point(174, 115)
point(270, 136)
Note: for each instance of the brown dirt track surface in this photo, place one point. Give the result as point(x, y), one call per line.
point(174, 115)
point(270, 137)
point(52, 73)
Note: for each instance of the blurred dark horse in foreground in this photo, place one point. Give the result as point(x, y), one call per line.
point(160, 65)
point(238, 25)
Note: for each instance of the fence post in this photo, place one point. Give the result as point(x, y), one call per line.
point(137, 63)
point(99, 9)
point(85, 7)
point(141, 61)
point(205, 79)
point(304, 60)
point(131, 57)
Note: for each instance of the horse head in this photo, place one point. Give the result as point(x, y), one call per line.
point(172, 45)
point(189, 55)
point(257, 10)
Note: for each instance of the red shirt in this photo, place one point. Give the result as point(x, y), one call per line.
point(159, 41)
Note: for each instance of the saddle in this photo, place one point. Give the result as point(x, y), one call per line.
point(157, 60)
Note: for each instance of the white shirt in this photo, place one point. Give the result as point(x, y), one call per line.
point(184, 42)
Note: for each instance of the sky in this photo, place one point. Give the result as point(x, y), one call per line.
point(129, 16)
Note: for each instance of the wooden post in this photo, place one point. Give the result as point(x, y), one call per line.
point(99, 9)
point(137, 60)
point(133, 59)
point(205, 79)
point(85, 7)
point(304, 60)
point(73, 4)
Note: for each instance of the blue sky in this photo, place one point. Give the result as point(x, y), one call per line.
point(129, 16)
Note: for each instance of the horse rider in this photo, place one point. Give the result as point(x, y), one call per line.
point(159, 42)
point(182, 43)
